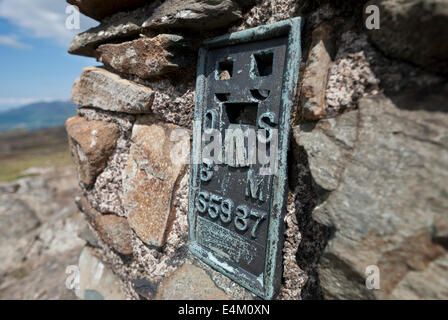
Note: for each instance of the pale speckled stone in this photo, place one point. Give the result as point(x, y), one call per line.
point(105, 90)
point(151, 178)
point(189, 283)
point(351, 76)
point(266, 12)
point(96, 280)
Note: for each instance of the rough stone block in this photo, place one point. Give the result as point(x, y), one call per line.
point(314, 83)
point(86, 234)
point(150, 179)
point(96, 281)
point(102, 89)
point(99, 9)
point(17, 218)
point(148, 57)
point(197, 15)
point(194, 14)
point(91, 144)
point(115, 231)
point(411, 30)
point(84, 206)
point(381, 180)
point(189, 283)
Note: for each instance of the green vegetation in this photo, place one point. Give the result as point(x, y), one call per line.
point(20, 150)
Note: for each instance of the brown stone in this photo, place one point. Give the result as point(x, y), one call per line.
point(115, 231)
point(148, 57)
point(98, 9)
point(189, 283)
point(150, 179)
point(102, 89)
point(314, 83)
point(91, 144)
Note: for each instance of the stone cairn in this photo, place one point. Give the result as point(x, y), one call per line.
point(368, 173)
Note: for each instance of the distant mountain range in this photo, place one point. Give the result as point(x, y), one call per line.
point(37, 115)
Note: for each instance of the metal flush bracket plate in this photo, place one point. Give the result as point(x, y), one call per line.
point(246, 79)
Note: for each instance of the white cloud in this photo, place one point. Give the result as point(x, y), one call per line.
point(12, 41)
point(42, 19)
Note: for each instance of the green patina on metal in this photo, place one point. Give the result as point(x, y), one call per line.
point(247, 251)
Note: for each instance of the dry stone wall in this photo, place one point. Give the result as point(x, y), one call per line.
point(368, 156)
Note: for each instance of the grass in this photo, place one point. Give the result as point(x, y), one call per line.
point(40, 148)
point(12, 169)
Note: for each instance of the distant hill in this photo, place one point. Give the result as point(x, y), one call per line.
point(37, 115)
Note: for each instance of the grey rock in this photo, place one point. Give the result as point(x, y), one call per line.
point(189, 283)
point(145, 288)
point(38, 226)
point(412, 30)
point(86, 234)
point(43, 280)
point(102, 89)
point(384, 169)
point(327, 144)
point(96, 280)
point(92, 295)
point(415, 284)
point(99, 9)
point(16, 218)
point(197, 15)
point(122, 25)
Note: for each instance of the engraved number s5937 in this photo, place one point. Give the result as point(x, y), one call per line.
point(216, 206)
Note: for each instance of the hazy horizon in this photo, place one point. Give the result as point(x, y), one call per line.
point(7, 107)
point(34, 63)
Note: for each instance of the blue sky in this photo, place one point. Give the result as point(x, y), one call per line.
point(34, 63)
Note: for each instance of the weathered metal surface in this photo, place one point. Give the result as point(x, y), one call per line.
point(245, 80)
